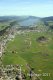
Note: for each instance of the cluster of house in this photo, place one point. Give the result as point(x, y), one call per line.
point(11, 72)
point(8, 37)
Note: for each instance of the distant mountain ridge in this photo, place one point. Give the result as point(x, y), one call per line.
point(26, 20)
point(25, 17)
point(48, 18)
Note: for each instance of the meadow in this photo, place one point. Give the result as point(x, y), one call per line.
point(25, 49)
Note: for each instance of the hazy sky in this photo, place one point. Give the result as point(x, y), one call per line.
point(39, 8)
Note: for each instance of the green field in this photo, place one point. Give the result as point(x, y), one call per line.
point(25, 49)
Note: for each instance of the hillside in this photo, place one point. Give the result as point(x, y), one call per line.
point(48, 18)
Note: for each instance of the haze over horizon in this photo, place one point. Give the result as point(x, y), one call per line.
point(40, 8)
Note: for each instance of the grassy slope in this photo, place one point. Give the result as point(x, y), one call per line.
point(3, 25)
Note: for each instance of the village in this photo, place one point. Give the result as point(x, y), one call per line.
point(5, 73)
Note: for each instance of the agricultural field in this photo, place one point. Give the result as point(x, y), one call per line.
point(34, 49)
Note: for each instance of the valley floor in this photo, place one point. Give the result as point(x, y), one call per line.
point(26, 51)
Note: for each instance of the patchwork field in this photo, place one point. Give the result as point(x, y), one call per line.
point(26, 49)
